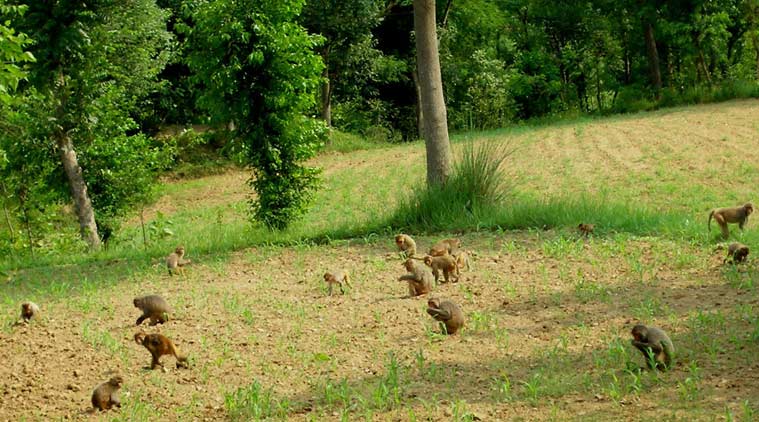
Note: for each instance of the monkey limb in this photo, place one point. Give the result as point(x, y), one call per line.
point(447, 312)
point(586, 229)
point(655, 346)
point(445, 263)
point(445, 246)
point(419, 278)
point(29, 310)
point(736, 253)
point(730, 215)
point(337, 277)
point(406, 245)
point(159, 345)
point(175, 261)
point(106, 395)
point(153, 307)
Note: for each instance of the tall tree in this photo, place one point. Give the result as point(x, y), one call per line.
point(439, 156)
point(648, 18)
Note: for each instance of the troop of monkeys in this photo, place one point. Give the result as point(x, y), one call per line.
point(423, 273)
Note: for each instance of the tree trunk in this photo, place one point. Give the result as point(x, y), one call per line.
point(326, 108)
point(87, 226)
point(11, 230)
point(418, 108)
point(653, 55)
point(439, 156)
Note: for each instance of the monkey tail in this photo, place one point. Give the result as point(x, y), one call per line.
point(709, 223)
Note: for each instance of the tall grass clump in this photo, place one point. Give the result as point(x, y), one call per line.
point(474, 193)
point(254, 403)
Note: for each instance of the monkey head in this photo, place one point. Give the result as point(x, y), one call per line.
point(116, 381)
point(433, 302)
point(139, 337)
point(26, 310)
point(328, 277)
point(179, 250)
point(749, 208)
point(408, 264)
point(639, 332)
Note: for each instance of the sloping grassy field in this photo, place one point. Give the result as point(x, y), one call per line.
point(548, 313)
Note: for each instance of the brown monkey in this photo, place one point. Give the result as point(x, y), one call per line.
point(406, 245)
point(652, 341)
point(106, 395)
point(153, 307)
point(160, 345)
point(446, 312)
point(736, 252)
point(29, 310)
point(445, 246)
point(337, 277)
point(419, 278)
point(723, 216)
point(175, 261)
point(446, 263)
point(462, 261)
point(586, 229)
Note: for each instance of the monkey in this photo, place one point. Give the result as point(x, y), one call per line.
point(462, 261)
point(446, 312)
point(586, 229)
point(446, 263)
point(174, 261)
point(160, 345)
point(736, 252)
point(655, 342)
point(406, 245)
point(106, 395)
point(29, 310)
point(337, 277)
point(153, 307)
point(723, 216)
point(419, 278)
point(445, 246)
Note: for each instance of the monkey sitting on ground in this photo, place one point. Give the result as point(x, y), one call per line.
point(106, 395)
point(175, 261)
point(445, 246)
point(406, 245)
point(446, 312)
point(586, 229)
point(653, 343)
point(337, 277)
point(29, 310)
point(446, 263)
point(419, 278)
point(723, 216)
point(159, 345)
point(153, 307)
point(736, 253)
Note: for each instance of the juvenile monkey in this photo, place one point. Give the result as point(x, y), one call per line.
point(406, 245)
point(656, 342)
point(159, 345)
point(106, 395)
point(723, 216)
point(337, 277)
point(445, 246)
point(462, 261)
point(153, 307)
point(175, 261)
point(446, 312)
point(419, 278)
point(446, 263)
point(586, 229)
point(736, 252)
point(29, 310)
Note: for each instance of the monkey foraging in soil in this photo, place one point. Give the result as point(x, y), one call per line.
point(462, 261)
point(419, 278)
point(586, 229)
point(153, 307)
point(445, 246)
point(106, 395)
point(337, 277)
point(406, 245)
point(160, 345)
point(736, 252)
point(653, 342)
point(446, 263)
point(175, 261)
point(29, 310)
point(723, 216)
point(446, 312)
